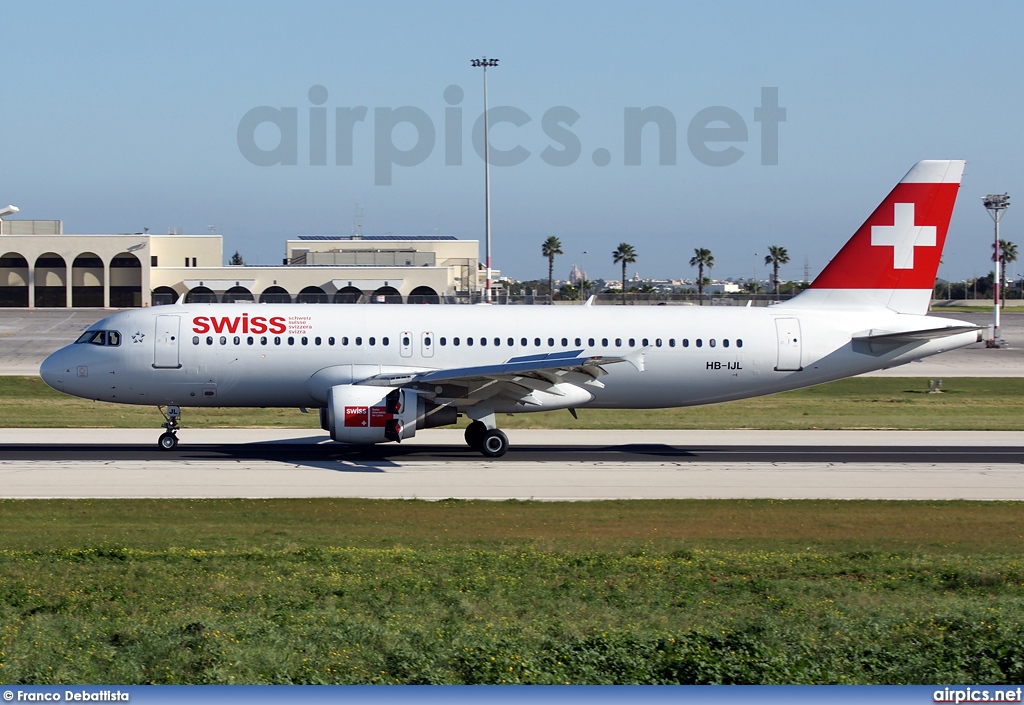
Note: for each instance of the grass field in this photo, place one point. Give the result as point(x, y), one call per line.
point(360, 591)
point(862, 403)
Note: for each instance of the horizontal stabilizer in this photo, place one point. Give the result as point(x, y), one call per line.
point(914, 336)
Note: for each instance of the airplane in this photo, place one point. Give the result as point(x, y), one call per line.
point(381, 373)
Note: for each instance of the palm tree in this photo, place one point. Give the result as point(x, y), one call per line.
point(702, 257)
point(625, 254)
point(551, 247)
point(776, 256)
point(1007, 254)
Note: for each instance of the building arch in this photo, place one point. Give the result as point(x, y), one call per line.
point(164, 296)
point(51, 281)
point(201, 295)
point(312, 295)
point(13, 280)
point(275, 295)
point(424, 295)
point(125, 281)
point(348, 295)
point(387, 295)
point(87, 275)
point(236, 294)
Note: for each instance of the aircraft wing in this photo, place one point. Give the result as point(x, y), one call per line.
point(517, 378)
point(913, 336)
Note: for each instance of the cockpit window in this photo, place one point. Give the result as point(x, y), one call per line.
point(100, 337)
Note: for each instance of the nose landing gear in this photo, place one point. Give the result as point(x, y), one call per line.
point(169, 438)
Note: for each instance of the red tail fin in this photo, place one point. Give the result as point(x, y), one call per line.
point(893, 257)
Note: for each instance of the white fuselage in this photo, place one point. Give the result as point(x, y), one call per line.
point(269, 355)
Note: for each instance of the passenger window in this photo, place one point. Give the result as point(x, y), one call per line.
point(725, 343)
point(551, 342)
point(359, 340)
point(497, 342)
point(536, 342)
point(406, 342)
point(426, 342)
point(223, 340)
point(344, 340)
point(469, 340)
point(700, 343)
point(316, 340)
point(686, 342)
point(711, 342)
point(237, 340)
point(604, 342)
point(645, 342)
point(277, 340)
point(385, 341)
point(209, 340)
point(590, 342)
point(522, 342)
point(263, 340)
point(195, 340)
point(739, 343)
point(671, 342)
point(618, 342)
point(444, 341)
point(291, 340)
point(305, 340)
point(657, 343)
point(579, 342)
point(249, 340)
point(455, 342)
point(511, 342)
point(632, 342)
point(483, 341)
point(372, 341)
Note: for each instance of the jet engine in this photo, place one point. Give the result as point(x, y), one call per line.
point(362, 414)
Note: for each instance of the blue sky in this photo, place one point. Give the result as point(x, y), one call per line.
point(120, 116)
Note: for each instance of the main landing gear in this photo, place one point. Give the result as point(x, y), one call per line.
point(169, 438)
point(492, 442)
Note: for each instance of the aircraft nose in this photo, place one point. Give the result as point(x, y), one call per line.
point(53, 370)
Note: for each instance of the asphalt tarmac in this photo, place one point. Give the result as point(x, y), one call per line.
point(542, 465)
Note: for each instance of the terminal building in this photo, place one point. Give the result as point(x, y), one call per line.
point(42, 267)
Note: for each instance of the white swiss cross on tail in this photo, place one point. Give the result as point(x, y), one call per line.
point(903, 236)
point(892, 259)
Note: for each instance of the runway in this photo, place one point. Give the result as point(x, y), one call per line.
point(542, 465)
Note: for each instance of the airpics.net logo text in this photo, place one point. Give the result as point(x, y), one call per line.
point(715, 136)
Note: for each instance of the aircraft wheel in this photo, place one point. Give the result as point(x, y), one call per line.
point(168, 441)
point(494, 443)
point(475, 434)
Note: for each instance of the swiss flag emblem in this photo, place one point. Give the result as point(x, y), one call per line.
point(900, 245)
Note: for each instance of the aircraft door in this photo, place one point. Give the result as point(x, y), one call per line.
point(165, 342)
point(788, 330)
point(405, 343)
point(427, 344)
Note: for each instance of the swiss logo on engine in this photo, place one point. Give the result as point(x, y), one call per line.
point(357, 416)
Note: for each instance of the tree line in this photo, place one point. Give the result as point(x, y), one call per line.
point(625, 254)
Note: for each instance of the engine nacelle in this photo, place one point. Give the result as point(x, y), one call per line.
point(363, 414)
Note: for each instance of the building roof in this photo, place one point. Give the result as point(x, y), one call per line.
point(378, 237)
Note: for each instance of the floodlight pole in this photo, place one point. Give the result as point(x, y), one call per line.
point(484, 62)
point(995, 204)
